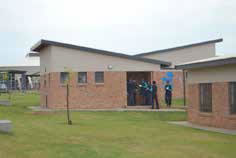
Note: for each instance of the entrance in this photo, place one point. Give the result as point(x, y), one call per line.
point(138, 77)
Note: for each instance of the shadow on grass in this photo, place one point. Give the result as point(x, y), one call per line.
point(7, 133)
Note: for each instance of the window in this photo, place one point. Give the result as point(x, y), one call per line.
point(206, 97)
point(232, 97)
point(82, 77)
point(99, 77)
point(64, 77)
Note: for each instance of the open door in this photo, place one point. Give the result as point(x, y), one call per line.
point(138, 77)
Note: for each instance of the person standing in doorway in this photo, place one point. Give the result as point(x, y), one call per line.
point(135, 87)
point(143, 93)
point(149, 94)
point(154, 95)
point(168, 94)
point(129, 92)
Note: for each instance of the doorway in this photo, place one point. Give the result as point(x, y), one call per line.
point(138, 76)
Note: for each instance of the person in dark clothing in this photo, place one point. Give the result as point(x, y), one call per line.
point(154, 95)
point(168, 94)
point(130, 91)
point(135, 87)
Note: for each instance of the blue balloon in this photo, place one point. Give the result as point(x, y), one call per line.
point(169, 74)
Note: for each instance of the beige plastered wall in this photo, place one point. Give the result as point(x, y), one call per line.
point(56, 59)
point(226, 73)
point(185, 55)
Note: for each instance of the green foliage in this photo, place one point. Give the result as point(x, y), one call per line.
point(105, 135)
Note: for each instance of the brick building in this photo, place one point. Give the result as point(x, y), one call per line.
point(99, 77)
point(212, 91)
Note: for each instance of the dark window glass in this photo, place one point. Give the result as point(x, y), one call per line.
point(232, 97)
point(99, 77)
point(206, 97)
point(64, 77)
point(82, 77)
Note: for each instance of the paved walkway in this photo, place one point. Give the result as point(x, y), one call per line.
point(40, 109)
point(212, 129)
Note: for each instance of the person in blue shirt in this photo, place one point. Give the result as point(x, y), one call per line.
point(149, 94)
point(168, 94)
point(143, 93)
point(130, 92)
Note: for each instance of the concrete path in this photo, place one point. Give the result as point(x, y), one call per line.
point(40, 109)
point(212, 129)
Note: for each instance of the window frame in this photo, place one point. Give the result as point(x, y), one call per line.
point(86, 78)
point(61, 77)
point(205, 97)
point(232, 97)
point(95, 77)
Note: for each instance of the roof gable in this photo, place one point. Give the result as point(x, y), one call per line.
point(44, 43)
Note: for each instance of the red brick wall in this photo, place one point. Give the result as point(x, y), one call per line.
point(220, 116)
point(111, 94)
point(177, 83)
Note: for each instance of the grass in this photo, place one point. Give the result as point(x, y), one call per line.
point(176, 103)
point(105, 135)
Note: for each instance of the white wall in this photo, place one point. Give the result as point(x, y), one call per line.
point(225, 73)
point(185, 54)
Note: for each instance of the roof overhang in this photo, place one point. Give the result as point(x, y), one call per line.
point(211, 63)
point(44, 43)
point(32, 54)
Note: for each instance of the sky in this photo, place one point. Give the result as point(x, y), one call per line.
point(124, 26)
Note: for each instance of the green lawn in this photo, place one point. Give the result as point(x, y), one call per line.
point(105, 135)
point(176, 103)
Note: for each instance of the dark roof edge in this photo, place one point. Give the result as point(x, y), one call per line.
point(31, 54)
point(213, 63)
point(43, 43)
point(181, 47)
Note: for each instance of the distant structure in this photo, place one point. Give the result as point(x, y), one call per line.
point(100, 76)
point(23, 76)
point(211, 85)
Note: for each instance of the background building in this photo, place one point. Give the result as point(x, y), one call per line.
point(212, 91)
point(22, 76)
point(99, 77)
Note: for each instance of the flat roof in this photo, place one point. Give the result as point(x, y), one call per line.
point(28, 69)
point(44, 43)
point(209, 62)
point(180, 47)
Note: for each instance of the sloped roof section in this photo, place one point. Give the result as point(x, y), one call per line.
point(210, 62)
point(44, 43)
point(180, 47)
